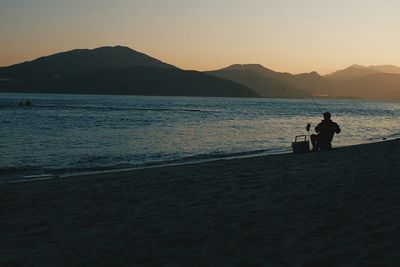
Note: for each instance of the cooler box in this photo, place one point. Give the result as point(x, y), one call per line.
point(301, 144)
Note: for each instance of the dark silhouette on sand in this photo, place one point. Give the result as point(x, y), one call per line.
point(326, 129)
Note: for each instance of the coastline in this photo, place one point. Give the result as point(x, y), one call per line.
point(330, 208)
point(179, 163)
point(63, 174)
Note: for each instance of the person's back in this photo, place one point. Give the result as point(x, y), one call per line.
point(326, 130)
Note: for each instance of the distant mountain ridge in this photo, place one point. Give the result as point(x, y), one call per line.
point(357, 71)
point(254, 76)
point(121, 70)
point(373, 86)
point(113, 70)
point(271, 83)
point(356, 81)
point(387, 68)
point(371, 82)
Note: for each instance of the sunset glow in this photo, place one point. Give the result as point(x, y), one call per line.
point(289, 35)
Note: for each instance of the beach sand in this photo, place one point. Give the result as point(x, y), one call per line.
point(334, 208)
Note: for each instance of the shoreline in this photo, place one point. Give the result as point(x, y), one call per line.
point(330, 208)
point(55, 174)
point(210, 160)
point(206, 161)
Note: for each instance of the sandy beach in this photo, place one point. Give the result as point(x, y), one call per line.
point(335, 208)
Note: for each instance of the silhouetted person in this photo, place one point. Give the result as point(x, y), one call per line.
point(326, 130)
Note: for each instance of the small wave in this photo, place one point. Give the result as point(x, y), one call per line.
point(395, 135)
point(17, 174)
point(120, 108)
point(199, 158)
point(385, 137)
point(215, 155)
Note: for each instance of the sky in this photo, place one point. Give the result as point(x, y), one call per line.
point(285, 35)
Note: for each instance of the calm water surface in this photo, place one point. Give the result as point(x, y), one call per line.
point(75, 133)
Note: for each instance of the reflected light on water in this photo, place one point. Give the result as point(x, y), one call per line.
point(72, 133)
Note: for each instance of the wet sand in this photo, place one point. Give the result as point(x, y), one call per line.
point(335, 208)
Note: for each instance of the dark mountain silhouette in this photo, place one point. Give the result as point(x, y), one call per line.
point(270, 82)
point(139, 81)
point(78, 61)
point(113, 70)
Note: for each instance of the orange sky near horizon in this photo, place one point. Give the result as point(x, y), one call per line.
point(287, 35)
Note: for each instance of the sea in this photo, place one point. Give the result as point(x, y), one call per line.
point(72, 134)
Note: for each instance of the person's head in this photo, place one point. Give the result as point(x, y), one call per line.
point(327, 115)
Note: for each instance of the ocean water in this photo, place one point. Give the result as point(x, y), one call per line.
point(67, 134)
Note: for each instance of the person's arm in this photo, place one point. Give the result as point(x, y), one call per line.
point(318, 128)
point(337, 128)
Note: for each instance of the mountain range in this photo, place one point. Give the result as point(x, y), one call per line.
point(121, 70)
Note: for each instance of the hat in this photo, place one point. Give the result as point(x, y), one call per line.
point(327, 115)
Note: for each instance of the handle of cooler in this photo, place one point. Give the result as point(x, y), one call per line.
point(299, 136)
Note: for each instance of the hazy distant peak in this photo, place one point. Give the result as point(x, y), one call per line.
point(314, 73)
point(352, 72)
point(378, 66)
point(386, 68)
point(356, 71)
point(357, 66)
point(246, 66)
